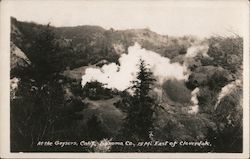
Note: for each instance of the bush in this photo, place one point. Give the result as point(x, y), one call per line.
point(96, 91)
point(227, 52)
point(177, 91)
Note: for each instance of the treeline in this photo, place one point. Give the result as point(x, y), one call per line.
point(48, 106)
point(84, 45)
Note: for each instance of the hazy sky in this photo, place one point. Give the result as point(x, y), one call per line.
point(202, 18)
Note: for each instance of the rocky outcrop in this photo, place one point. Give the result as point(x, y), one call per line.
point(17, 57)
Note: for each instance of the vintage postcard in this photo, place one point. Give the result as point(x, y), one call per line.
point(124, 79)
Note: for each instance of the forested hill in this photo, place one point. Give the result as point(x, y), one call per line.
point(84, 45)
point(49, 63)
point(80, 46)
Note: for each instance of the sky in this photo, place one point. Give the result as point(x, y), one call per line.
point(178, 18)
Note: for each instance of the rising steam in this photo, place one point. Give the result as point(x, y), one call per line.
point(14, 82)
point(199, 48)
point(195, 107)
point(226, 90)
point(119, 76)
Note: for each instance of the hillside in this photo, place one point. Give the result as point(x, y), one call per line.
point(68, 84)
point(90, 44)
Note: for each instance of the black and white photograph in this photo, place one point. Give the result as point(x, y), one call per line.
point(132, 77)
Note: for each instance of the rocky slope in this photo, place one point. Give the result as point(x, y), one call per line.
point(90, 44)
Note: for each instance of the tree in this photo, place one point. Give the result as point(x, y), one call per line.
point(95, 91)
point(227, 52)
point(43, 53)
point(40, 112)
point(139, 120)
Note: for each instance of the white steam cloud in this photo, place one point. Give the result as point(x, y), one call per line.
point(199, 48)
point(226, 90)
point(14, 87)
point(119, 77)
point(195, 107)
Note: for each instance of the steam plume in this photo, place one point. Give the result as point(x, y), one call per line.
point(14, 87)
point(226, 90)
point(119, 76)
point(196, 49)
point(195, 107)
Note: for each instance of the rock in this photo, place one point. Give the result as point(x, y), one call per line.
point(17, 57)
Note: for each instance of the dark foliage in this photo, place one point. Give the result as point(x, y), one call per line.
point(227, 52)
point(228, 136)
point(95, 129)
point(49, 106)
point(96, 91)
point(139, 120)
point(177, 91)
point(40, 111)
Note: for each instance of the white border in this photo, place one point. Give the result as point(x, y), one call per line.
point(4, 105)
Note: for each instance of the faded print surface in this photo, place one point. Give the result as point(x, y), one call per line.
point(97, 87)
